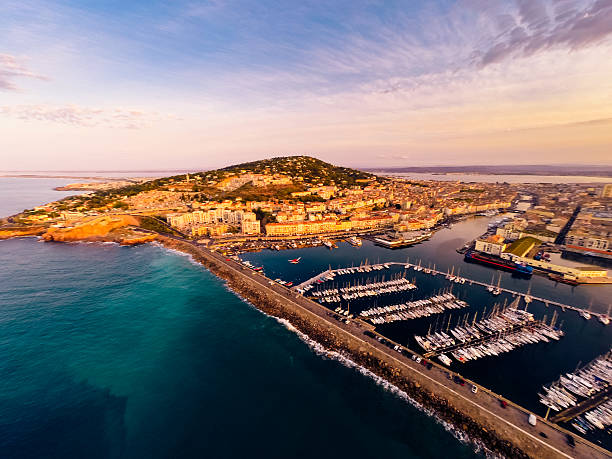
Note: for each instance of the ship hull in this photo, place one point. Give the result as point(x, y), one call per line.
point(498, 263)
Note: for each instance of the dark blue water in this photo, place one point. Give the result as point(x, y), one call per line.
point(518, 375)
point(108, 351)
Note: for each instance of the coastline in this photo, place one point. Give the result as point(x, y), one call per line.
point(481, 428)
point(468, 421)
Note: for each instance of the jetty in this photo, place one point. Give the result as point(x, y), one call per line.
point(503, 427)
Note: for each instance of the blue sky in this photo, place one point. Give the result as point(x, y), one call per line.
point(205, 83)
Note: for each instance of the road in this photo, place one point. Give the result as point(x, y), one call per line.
point(512, 419)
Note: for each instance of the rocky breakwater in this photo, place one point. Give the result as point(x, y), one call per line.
point(108, 228)
point(336, 340)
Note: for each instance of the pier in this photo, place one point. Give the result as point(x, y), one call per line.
point(527, 296)
point(503, 428)
point(582, 407)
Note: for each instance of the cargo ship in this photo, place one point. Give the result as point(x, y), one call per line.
point(498, 263)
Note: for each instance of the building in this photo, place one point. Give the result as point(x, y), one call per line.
point(494, 245)
point(588, 241)
point(216, 229)
point(307, 227)
point(251, 226)
point(607, 191)
point(521, 247)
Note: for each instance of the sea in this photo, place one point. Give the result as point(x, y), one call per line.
point(125, 352)
point(499, 178)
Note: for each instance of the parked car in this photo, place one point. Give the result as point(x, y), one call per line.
point(532, 419)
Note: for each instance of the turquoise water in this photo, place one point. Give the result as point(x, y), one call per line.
point(109, 351)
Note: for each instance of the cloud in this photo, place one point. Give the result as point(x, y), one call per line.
point(11, 69)
point(86, 116)
point(539, 25)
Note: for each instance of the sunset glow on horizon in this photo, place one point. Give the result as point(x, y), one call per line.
point(188, 84)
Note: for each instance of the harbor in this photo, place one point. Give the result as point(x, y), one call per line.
point(413, 310)
point(435, 268)
point(330, 275)
point(581, 398)
point(500, 424)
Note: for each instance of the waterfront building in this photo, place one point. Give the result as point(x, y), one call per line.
point(494, 245)
point(589, 241)
point(521, 247)
point(307, 227)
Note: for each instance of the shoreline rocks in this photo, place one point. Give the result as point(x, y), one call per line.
point(476, 431)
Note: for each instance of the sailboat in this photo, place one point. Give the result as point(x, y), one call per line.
point(490, 287)
point(496, 291)
point(605, 319)
point(295, 261)
point(585, 314)
point(528, 298)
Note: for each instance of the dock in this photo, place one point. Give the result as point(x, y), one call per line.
point(529, 297)
point(582, 407)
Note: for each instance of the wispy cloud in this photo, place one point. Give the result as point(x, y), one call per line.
point(86, 116)
point(539, 25)
point(11, 69)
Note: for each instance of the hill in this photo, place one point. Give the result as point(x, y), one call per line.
point(296, 173)
point(312, 170)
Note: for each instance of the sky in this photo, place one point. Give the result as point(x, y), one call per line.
point(146, 84)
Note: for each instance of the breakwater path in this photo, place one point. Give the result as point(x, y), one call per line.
point(502, 429)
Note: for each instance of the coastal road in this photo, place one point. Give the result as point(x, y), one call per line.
point(486, 405)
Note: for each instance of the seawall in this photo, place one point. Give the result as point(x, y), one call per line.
point(508, 434)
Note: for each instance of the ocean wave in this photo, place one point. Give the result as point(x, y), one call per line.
point(180, 253)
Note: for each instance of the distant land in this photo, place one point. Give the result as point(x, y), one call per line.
point(577, 170)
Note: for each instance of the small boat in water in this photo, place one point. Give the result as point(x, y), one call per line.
point(605, 319)
point(585, 315)
point(354, 241)
point(295, 261)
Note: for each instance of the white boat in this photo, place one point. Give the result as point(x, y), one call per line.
point(354, 241)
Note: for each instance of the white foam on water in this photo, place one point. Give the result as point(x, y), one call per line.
point(321, 351)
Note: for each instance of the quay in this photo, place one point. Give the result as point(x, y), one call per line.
point(545, 301)
point(503, 428)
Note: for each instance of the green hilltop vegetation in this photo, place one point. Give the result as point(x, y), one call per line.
point(305, 170)
point(312, 170)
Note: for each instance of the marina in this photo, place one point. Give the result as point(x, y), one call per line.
point(501, 331)
point(413, 309)
point(368, 289)
point(330, 275)
point(582, 397)
point(436, 268)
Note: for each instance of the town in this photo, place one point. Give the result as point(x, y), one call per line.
point(562, 230)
